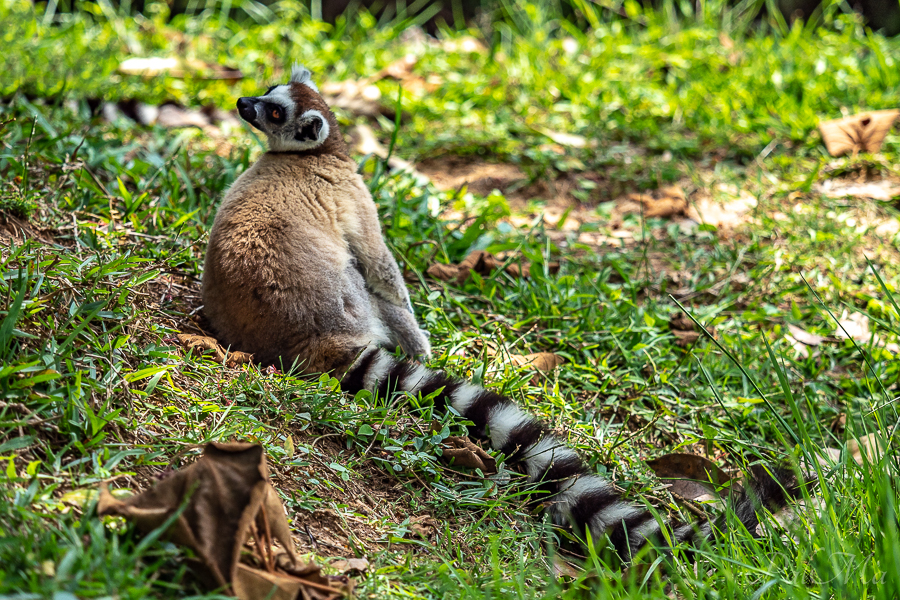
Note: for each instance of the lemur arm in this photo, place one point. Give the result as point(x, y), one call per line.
point(378, 266)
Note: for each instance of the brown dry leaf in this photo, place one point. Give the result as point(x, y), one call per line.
point(727, 213)
point(871, 446)
point(684, 339)
point(345, 565)
point(694, 476)
point(681, 322)
point(460, 451)
point(256, 584)
point(202, 343)
point(854, 326)
point(683, 329)
point(423, 526)
point(541, 361)
point(664, 202)
point(228, 501)
point(443, 272)
point(864, 132)
point(563, 568)
point(483, 263)
point(805, 337)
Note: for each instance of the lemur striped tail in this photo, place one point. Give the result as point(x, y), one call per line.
point(576, 495)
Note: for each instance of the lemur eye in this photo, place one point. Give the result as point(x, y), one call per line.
point(276, 114)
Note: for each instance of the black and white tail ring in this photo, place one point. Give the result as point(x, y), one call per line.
point(575, 495)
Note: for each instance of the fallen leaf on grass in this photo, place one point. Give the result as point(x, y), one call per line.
point(864, 132)
point(541, 361)
point(346, 565)
point(683, 329)
point(203, 344)
point(226, 500)
point(563, 568)
point(460, 451)
point(805, 337)
point(483, 263)
point(854, 326)
point(423, 526)
point(665, 202)
point(726, 213)
point(692, 476)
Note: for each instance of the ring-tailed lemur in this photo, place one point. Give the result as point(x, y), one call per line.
point(297, 271)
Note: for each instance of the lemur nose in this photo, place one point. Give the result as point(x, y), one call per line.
point(247, 108)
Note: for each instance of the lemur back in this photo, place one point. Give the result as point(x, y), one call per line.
point(297, 271)
point(296, 268)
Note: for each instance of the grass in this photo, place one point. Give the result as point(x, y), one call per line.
point(105, 226)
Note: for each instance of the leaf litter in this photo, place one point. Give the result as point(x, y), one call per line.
point(864, 132)
point(224, 508)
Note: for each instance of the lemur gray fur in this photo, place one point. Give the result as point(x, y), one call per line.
point(297, 271)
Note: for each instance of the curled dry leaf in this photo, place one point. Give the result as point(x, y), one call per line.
point(423, 526)
point(541, 361)
point(665, 202)
point(864, 132)
point(228, 501)
point(203, 344)
point(483, 263)
point(460, 451)
point(692, 476)
point(346, 565)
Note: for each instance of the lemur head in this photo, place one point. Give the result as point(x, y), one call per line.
point(294, 116)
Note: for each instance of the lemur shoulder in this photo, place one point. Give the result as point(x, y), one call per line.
point(297, 272)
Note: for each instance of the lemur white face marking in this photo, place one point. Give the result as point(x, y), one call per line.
point(288, 126)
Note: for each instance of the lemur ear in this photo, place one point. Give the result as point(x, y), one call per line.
point(310, 130)
point(300, 74)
